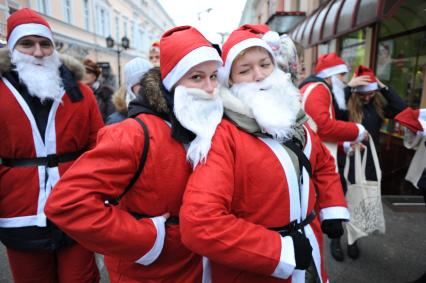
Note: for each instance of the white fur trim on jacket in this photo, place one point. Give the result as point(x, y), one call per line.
point(334, 212)
point(361, 131)
point(287, 262)
point(154, 253)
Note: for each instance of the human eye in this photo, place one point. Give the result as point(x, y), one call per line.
point(213, 77)
point(243, 72)
point(46, 44)
point(265, 65)
point(26, 43)
point(196, 77)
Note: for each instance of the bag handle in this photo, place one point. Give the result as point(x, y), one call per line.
point(359, 171)
point(361, 163)
point(375, 159)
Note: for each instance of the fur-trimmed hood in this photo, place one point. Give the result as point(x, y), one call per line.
point(154, 99)
point(76, 68)
point(152, 95)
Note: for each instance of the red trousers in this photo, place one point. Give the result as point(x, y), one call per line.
point(67, 265)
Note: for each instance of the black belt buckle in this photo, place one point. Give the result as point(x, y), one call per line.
point(52, 160)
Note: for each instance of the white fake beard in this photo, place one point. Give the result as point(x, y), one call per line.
point(200, 113)
point(40, 76)
point(338, 92)
point(275, 103)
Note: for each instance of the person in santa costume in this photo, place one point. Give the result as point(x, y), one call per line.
point(365, 105)
point(415, 138)
point(323, 99)
point(255, 209)
point(180, 110)
point(414, 121)
point(48, 118)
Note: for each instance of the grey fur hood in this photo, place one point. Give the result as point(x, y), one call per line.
point(76, 68)
point(152, 95)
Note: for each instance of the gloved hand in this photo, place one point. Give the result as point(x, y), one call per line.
point(302, 250)
point(333, 228)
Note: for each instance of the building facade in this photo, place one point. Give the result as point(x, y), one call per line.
point(386, 35)
point(81, 27)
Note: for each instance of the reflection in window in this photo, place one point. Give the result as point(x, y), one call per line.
point(401, 63)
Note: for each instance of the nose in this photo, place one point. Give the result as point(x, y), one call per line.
point(258, 74)
point(38, 52)
point(209, 86)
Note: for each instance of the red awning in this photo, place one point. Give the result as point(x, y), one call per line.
point(338, 17)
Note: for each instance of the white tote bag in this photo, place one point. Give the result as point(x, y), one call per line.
point(364, 197)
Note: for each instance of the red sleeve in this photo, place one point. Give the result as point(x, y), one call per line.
point(210, 227)
point(327, 180)
point(96, 121)
point(317, 106)
point(76, 204)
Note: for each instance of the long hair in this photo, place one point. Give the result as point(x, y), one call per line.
point(355, 107)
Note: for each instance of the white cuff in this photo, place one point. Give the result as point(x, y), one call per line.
point(287, 262)
point(334, 212)
point(361, 131)
point(347, 147)
point(153, 254)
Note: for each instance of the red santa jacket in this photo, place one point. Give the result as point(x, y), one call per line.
point(77, 203)
point(319, 106)
point(72, 126)
point(248, 185)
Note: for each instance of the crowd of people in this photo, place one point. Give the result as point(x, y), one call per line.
point(213, 166)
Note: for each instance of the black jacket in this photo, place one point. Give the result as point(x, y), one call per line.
point(372, 123)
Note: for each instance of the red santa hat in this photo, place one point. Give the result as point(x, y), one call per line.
point(239, 40)
point(26, 22)
point(181, 48)
point(414, 120)
point(330, 64)
point(365, 71)
point(271, 37)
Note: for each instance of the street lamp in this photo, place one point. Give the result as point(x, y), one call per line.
point(125, 44)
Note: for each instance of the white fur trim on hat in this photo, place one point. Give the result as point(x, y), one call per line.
point(422, 121)
point(367, 88)
point(195, 57)
point(338, 69)
point(225, 71)
point(28, 29)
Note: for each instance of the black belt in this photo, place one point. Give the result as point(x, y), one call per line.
point(51, 160)
point(294, 226)
point(172, 220)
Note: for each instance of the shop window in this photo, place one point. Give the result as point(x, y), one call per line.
point(401, 63)
point(353, 50)
point(409, 15)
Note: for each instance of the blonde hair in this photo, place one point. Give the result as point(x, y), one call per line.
point(119, 100)
point(355, 107)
